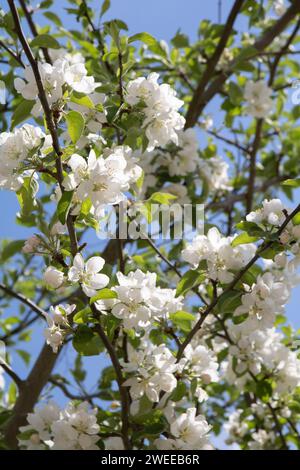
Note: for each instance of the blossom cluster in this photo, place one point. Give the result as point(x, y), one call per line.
point(258, 98)
point(160, 106)
point(68, 72)
point(188, 431)
point(241, 429)
point(220, 258)
point(73, 428)
point(103, 180)
point(16, 151)
point(58, 324)
point(154, 369)
point(140, 302)
point(183, 159)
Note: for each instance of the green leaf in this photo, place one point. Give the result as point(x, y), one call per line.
point(264, 391)
point(53, 17)
point(27, 203)
point(64, 205)
point(180, 40)
point(179, 392)
point(83, 316)
point(146, 38)
point(45, 40)
point(189, 280)
point(11, 249)
point(251, 228)
point(235, 93)
point(161, 198)
point(105, 7)
point(182, 319)
point(86, 342)
point(104, 294)
point(82, 100)
point(21, 113)
point(295, 183)
point(75, 125)
point(243, 238)
point(229, 302)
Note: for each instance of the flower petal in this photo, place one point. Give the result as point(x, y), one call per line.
point(94, 264)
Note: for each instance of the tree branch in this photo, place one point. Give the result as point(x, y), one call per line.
point(34, 307)
point(30, 391)
point(201, 98)
point(18, 381)
point(192, 114)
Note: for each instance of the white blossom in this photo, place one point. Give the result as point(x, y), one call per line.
point(88, 274)
point(153, 368)
point(188, 431)
point(258, 97)
point(200, 362)
point(218, 253)
point(74, 428)
point(270, 213)
point(15, 148)
point(53, 277)
point(162, 120)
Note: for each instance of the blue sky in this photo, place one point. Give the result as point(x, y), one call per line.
point(161, 18)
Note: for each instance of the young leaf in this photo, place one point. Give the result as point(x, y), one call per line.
point(86, 342)
point(64, 205)
point(75, 125)
point(243, 238)
point(21, 112)
point(188, 281)
point(45, 40)
point(103, 294)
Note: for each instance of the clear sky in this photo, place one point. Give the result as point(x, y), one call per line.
point(161, 18)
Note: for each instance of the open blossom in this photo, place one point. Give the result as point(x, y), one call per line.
point(200, 362)
point(53, 277)
point(133, 293)
point(262, 349)
point(271, 212)
point(235, 427)
point(258, 97)
point(215, 172)
point(220, 257)
point(186, 159)
point(88, 274)
point(77, 429)
point(140, 300)
point(267, 297)
point(49, 427)
point(38, 429)
point(188, 432)
point(162, 120)
point(15, 148)
point(57, 322)
point(103, 180)
point(153, 369)
point(55, 77)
